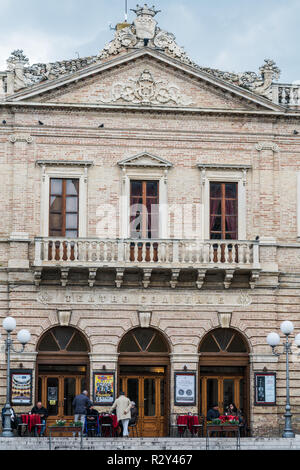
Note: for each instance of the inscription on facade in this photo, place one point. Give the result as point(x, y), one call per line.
point(69, 297)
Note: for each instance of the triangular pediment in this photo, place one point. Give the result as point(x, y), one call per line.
point(145, 159)
point(145, 78)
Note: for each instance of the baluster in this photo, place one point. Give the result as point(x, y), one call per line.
point(104, 252)
point(136, 251)
point(219, 253)
point(211, 253)
point(48, 248)
point(61, 250)
point(226, 254)
point(68, 250)
point(75, 244)
point(234, 253)
point(248, 254)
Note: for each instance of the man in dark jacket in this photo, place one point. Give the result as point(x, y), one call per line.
point(80, 404)
point(213, 413)
point(38, 409)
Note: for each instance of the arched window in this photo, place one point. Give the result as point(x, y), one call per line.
point(223, 340)
point(143, 340)
point(63, 339)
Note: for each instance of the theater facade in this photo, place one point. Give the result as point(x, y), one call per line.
point(149, 234)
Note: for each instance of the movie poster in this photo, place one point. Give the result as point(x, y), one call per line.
point(21, 386)
point(104, 393)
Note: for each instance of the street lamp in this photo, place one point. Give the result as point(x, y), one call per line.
point(273, 339)
point(9, 324)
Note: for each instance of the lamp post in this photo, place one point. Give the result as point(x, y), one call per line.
point(273, 339)
point(9, 324)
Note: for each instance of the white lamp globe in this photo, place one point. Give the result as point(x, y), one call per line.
point(287, 327)
point(273, 339)
point(9, 324)
point(297, 340)
point(24, 336)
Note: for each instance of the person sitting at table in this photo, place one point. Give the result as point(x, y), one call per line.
point(122, 404)
point(133, 414)
point(38, 409)
point(213, 413)
point(92, 416)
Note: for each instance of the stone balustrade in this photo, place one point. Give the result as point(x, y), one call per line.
point(89, 252)
point(286, 95)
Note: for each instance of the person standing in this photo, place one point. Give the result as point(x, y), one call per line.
point(80, 404)
point(122, 405)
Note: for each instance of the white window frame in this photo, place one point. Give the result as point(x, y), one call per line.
point(224, 174)
point(63, 171)
point(144, 174)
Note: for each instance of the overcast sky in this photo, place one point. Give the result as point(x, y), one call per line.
point(232, 35)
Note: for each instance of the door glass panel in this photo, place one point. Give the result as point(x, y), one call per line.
point(228, 392)
point(149, 397)
point(69, 395)
point(162, 398)
point(52, 396)
point(212, 393)
point(83, 384)
point(133, 390)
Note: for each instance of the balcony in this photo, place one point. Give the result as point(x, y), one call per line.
point(287, 94)
point(147, 255)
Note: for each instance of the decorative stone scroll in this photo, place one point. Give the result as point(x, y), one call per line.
point(133, 298)
point(145, 90)
point(267, 146)
point(20, 138)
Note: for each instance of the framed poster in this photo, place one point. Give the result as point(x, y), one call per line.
point(104, 388)
point(265, 388)
point(185, 388)
point(21, 387)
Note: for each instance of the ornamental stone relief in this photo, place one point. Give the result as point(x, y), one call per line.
point(145, 90)
point(130, 298)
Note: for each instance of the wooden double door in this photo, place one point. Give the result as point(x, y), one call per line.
point(221, 391)
point(57, 392)
point(149, 394)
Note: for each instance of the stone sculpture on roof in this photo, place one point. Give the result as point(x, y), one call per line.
point(143, 32)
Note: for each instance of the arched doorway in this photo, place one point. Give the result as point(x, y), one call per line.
point(144, 377)
point(224, 371)
point(62, 370)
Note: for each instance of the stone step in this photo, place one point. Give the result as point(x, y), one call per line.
point(149, 444)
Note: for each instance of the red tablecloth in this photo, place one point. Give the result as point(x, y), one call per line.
point(31, 421)
point(225, 418)
point(115, 423)
point(187, 420)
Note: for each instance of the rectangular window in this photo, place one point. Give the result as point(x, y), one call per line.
point(64, 207)
point(223, 211)
point(144, 209)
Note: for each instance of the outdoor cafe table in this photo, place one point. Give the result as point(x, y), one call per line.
point(187, 422)
point(115, 424)
point(225, 430)
point(32, 420)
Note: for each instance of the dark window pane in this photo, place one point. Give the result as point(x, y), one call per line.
point(230, 207)
point(230, 190)
point(69, 395)
point(143, 336)
point(77, 344)
point(129, 344)
point(149, 397)
point(136, 188)
point(63, 335)
point(215, 207)
point(133, 390)
point(216, 236)
point(216, 224)
point(237, 345)
point(209, 345)
point(158, 345)
point(215, 190)
point(152, 188)
point(223, 336)
point(230, 224)
point(48, 343)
